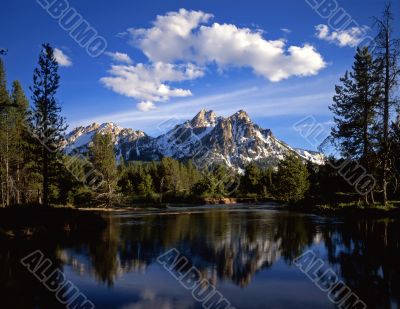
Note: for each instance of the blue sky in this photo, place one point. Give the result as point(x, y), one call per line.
point(278, 60)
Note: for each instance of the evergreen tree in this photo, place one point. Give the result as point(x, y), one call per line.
point(46, 123)
point(193, 174)
point(170, 176)
point(13, 141)
point(4, 137)
point(217, 181)
point(354, 107)
point(145, 187)
point(125, 182)
point(388, 52)
point(291, 180)
point(104, 161)
point(20, 141)
point(266, 182)
point(251, 181)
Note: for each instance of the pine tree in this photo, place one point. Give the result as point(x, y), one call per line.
point(354, 107)
point(20, 140)
point(103, 159)
point(13, 139)
point(170, 176)
point(46, 123)
point(251, 181)
point(266, 181)
point(9, 140)
point(4, 137)
point(145, 187)
point(291, 180)
point(388, 52)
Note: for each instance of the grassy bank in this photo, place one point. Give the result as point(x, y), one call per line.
point(349, 209)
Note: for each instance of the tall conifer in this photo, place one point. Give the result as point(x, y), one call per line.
point(48, 126)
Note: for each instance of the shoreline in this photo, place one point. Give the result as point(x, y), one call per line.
point(35, 222)
point(329, 211)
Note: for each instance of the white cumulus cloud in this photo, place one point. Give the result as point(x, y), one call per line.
point(149, 82)
point(180, 45)
point(348, 37)
point(145, 106)
point(185, 36)
point(120, 57)
point(62, 59)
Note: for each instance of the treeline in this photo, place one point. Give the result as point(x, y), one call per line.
point(34, 169)
point(171, 181)
point(31, 166)
point(15, 161)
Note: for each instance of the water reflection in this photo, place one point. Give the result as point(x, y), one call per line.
point(242, 251)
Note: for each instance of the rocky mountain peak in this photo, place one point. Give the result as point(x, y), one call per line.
point(205, 118)
point(242, 116)
point(234, 141)
point(110, 128)
point(80, 139)
point(91, 127)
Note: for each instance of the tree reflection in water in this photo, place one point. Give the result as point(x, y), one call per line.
point(232, 245)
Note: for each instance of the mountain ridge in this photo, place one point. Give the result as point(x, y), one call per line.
point(207, 138)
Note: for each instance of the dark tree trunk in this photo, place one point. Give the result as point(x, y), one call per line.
point(386, 107)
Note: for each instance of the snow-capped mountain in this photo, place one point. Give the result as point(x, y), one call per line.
point(207, 138)
point(80, 139)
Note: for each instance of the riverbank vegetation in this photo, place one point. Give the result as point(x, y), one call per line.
point(364, 174)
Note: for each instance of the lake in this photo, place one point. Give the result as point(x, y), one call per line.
point(248, 254)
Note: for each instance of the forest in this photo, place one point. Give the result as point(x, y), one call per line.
point(35, 171)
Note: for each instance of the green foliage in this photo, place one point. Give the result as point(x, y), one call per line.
point(256, 181)
point(15, 157)
point(81, 197)
point(170, 176)
point(168, 180)
point(145, 187)
point(104, 161)
point(47, 125)
point(217, 181)
point(4, 137)
point(326, 183)
point(251, 181)
point(291, 180)
point(355, 106)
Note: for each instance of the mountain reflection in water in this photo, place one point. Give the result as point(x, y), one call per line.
point(246, 252)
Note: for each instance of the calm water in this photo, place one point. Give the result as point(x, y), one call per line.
point(246, 252)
